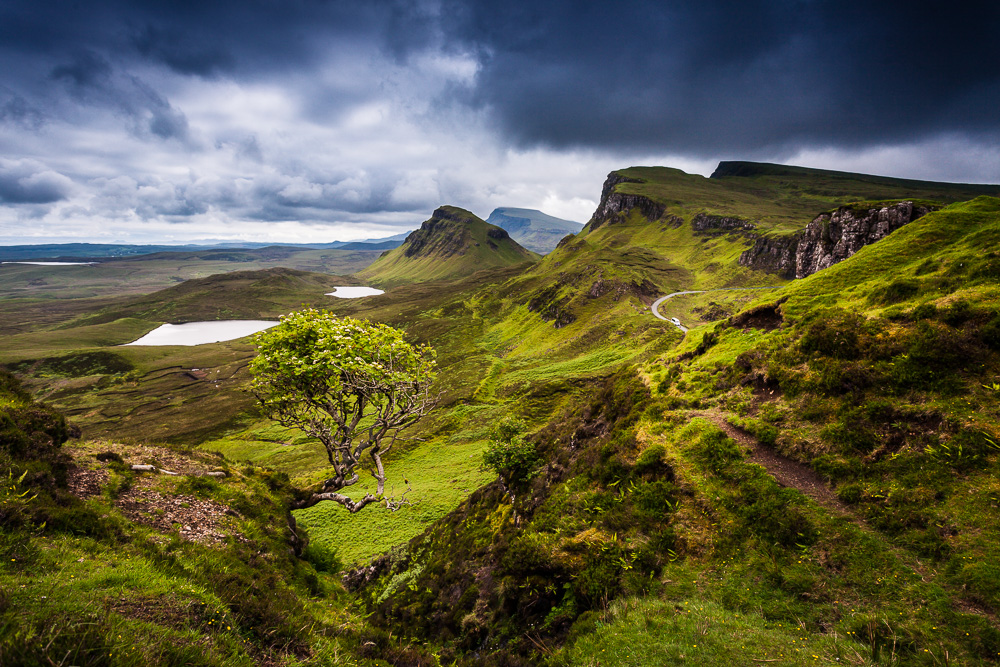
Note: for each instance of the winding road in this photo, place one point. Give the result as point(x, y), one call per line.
point(656, 304)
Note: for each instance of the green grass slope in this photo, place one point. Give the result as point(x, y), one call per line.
point(453, 243)
point(659, 230)
point(879, 377)
point(780, 199)
point(647, 531)
point(533, 229)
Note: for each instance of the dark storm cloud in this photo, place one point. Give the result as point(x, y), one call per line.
point(338, 111)
point(245, 37)
point(91, 79)
point(696, 77)
point(703, 77)
point(30, 182)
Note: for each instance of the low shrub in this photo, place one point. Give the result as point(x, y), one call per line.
point(895, 292)
point(849, 493)
point(716, 450)
point(323, 557)
point(512, 458)
point(836, 335)
point(653, 461)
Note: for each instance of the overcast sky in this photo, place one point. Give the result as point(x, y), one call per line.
point(309, 120)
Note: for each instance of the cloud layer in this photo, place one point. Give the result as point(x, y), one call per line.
point(301, 121)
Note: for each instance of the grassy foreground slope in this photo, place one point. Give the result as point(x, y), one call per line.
point(103, 565)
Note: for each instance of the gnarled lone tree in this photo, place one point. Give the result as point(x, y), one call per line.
point(349, 383)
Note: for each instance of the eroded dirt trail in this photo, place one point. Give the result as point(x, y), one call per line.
point(785, 471)
point(802, 478)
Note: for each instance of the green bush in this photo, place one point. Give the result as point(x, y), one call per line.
point(989, 333)
point(716, 450)
point(849, 493)
point(771, 513)
point(656, 499)
point(958, 313)
point(834, 467)
point(925, 311)
point(895, 292)
point(836, 335)
point(512, 458)
point(653, 461)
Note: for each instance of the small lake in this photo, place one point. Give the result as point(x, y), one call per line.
point(354, 292)
point(52, 263)
point(199, 333)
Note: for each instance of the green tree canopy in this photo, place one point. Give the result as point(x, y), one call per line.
point(351, 384)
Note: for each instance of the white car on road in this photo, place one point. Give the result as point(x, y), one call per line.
point(675, 321)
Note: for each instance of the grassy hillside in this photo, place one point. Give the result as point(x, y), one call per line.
point(780, 199)
point(103, 565)
point(868, 389)
point(453, 243)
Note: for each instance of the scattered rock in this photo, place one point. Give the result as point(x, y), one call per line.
point(717, 223)
point(85, 483)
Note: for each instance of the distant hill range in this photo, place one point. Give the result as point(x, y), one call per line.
point(97, 251)
point(453, 243)
point(533, 229)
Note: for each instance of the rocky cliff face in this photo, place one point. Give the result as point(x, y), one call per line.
point(831, 238)
point(775, 255)
point(828, 239)
point(615, 206)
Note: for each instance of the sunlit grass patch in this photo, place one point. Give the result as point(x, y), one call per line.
point(440, 476)
point(644, 632)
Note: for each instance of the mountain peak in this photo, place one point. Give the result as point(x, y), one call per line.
point(533, 229)
point(455, 214)
point(452, 243)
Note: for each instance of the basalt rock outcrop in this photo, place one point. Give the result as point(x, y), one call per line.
point(704, 222)
point(828, 239)
point(615, 206)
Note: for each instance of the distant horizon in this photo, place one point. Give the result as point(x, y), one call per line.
point(389, 234)
point(216, 242)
